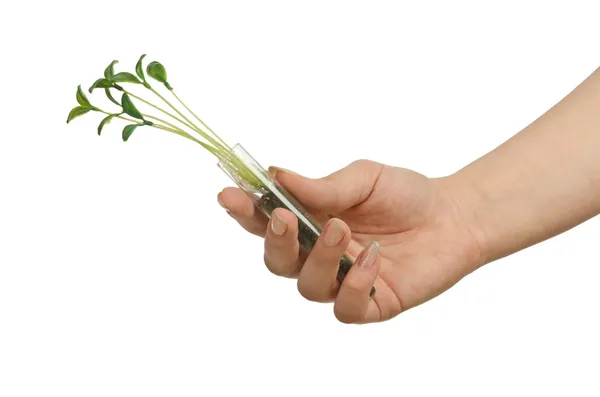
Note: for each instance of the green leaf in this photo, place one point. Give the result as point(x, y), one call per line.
point(128, 130)
point(129, 107)
point(100, 83)
point(125, 77)
point(139, 68)
point(109, 72)
point(82, 99)
point(76, 112)
point(105, 121)
point(157, 71)
point(112, 99)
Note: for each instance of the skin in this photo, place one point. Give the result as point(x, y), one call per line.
point(432, 232)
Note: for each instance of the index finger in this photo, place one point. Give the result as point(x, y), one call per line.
point(242, 209)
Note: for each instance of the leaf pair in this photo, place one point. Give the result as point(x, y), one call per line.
point(130, 109)
point(122, 77)
point(127, 131)
point(84, 106)
point(110, 78)
point(157, 71)
point(126, 103)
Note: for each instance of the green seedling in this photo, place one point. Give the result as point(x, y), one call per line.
point(172, 120)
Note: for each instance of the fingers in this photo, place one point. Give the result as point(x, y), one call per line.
point(317, 280)
point(341, 190)
point(281, 244)
point(280, 232)
point(317, 274)
point(353, 303)
point(242, 209)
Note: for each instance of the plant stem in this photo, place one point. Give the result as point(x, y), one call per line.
point(198, 118)
point(119, 117)
point(195, 127)
point(175, 130)
point(149, 116)
point(159, 109)
point(188, 136)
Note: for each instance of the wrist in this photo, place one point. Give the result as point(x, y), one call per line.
point(466, 202)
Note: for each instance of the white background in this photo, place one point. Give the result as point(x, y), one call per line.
point(121, 276)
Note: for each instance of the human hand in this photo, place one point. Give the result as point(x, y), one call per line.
point(406, 233)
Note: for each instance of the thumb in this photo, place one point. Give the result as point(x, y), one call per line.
point(336, 192)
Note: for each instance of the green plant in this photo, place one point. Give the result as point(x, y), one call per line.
point(179, 123)
point(236, 162)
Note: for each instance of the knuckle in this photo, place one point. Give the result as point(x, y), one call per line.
point(370, 169)
point(355, 287)
point(363, 163)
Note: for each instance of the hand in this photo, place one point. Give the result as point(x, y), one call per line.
point(405, 232)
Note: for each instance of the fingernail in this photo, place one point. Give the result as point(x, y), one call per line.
point(274, 170)
point(278, 225)
point(334, 234)
point(369, 256)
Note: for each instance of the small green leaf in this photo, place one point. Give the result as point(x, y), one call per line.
point(100, 83)
point(105, 121)
point(128, 130)
point(109, 72)
point(157, 71)
point(76, 112)
point(125, 77)
point(109, 96)
point(129, 107)
point(82, 99)
point(139, 68)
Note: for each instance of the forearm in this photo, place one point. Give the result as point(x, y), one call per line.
point(540, 183)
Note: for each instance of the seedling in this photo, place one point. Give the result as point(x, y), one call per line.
point(177, 118)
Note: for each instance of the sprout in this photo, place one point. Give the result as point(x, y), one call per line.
point(170, 119)
point(157, 71)
point(181, 120)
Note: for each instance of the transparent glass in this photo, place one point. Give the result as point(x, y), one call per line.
point(267, 194)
